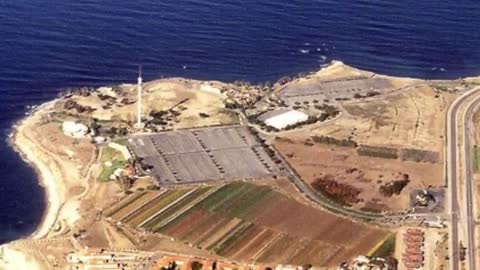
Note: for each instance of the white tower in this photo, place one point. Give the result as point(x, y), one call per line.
point(139, 123)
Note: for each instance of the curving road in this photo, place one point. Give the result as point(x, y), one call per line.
point(452, 166)
point(468, 118)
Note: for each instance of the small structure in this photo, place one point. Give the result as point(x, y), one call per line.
point(75, 130)
point(122, 149)
point(280, 119)
point(209, 88)
point(139, 124)
point(107, 91)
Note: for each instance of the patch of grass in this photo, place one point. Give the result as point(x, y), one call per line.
point(476, 158)
point(122, 141)
point(111, 155)
point(384, 248)
point(108, 171)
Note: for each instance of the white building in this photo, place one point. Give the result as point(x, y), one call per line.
point(75, 130)
point(280, 119)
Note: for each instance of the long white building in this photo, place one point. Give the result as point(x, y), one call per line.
point(280, 119)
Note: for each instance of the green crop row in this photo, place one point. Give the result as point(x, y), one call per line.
point(231, 241)
point(154, 206)
point(156, 223)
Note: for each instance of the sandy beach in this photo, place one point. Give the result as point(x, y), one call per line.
point(47, 173)
point(31, 153)
point(19, 260)
point(46, 179)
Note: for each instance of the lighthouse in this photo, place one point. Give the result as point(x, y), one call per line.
point(139, 123)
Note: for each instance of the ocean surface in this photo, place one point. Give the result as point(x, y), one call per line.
point(53, 44)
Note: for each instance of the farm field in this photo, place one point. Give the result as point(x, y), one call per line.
point(364, 175)
point(247, 222)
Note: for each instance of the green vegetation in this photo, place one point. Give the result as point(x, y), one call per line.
point(122, 141)
point(476, 158)
point(230, 242)
point(377, 151)
point(222, 195)
point(418, 155)
point(157, 222)
point(155, 205)
point(236, 200)
point(115, 157)
point(385, 248)
point(247, 203)
point(334, 141)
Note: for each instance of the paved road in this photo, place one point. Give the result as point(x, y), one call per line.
point(452, 169)
point(468, 118)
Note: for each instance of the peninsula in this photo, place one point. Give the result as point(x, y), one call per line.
point(335, 168)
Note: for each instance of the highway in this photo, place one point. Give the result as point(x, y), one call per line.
point(468, 118)
point(452, 166)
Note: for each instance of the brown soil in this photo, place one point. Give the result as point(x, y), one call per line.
point(343, 193)
point(364, 173)
point(188, 223)
point(412, 117)
point(254, 246)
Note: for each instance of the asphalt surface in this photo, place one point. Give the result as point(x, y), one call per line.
point(452, 168)
point(468, 183)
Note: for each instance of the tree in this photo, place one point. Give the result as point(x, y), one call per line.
point(196, 265)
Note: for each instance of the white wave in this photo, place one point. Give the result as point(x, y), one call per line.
point(304, 51)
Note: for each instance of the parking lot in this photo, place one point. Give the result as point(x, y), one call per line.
point(331, 90)
point(202, 155)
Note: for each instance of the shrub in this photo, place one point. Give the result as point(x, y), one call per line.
point(196, 265)
point(394, 187)
point(338, 192)
point(203, 115)
point(379, 152)
point(419, 155)
point(334, 141)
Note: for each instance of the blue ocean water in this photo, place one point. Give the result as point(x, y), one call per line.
point(51, 44)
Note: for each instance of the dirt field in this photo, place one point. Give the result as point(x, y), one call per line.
point(364, 173)
point(241, 221)
point(414, 117)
